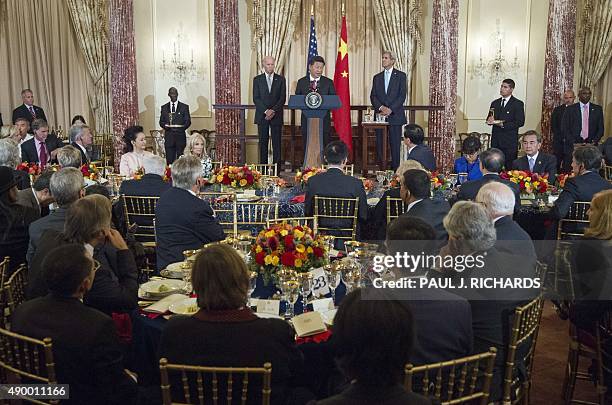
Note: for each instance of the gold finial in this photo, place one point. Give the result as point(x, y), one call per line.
point(342, 9)
point(312, 9)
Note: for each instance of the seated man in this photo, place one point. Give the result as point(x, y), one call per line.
point(86, 347)
point(334, 183)
point(586, 181)
point(416, 192)
point(182, 220)
point(9, 157)
point(70, 156)
point(413, 139)
point(498, 201)
point(39, 196)
point(81, 138)
point(491, 164)
point(534, 160)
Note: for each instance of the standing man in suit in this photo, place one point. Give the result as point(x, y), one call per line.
point(584, 120)
point(269, 93)
point(508, 117)
point(28, 110)
point(38, 197)
point(563, 145)
point(534, 160)
point(81, 138)
point(413, 139)
point(41, 149)
point(175, 139)
point(416, 192)
point(387, 96)
point(315, 81)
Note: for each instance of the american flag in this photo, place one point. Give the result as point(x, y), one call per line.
point(312, 43)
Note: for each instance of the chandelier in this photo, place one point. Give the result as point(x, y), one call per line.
point(180, 65)
point(497, 68)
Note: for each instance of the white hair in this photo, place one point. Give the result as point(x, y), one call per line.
point(498, 199)
point(469, 223)
point(9, 153)
point(391, 55)
point(185, 172)
point(154, 165)
point(69, 156)
point(76, 131)
point(66, 185)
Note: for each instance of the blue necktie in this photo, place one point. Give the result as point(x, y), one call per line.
point(387, 79)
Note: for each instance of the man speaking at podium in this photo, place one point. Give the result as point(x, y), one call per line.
point(314, 81)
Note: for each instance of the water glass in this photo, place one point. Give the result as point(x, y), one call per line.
point(252, 284)
point(462, 178)
point(380, 177)
point(305, 288)
point(332, 279)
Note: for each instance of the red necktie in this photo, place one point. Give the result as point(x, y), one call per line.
point(43, 154)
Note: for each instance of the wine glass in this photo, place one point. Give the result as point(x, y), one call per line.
point(329, 242)
point(389, 175)
point(462, 178)
point(305, 288)
point(350, 276)
point(291, 289)
point(453, 178)
point(332, 279)
point(380, 177)
point(252, 284)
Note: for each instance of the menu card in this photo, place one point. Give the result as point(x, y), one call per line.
point(162, 306)
point(309, 323)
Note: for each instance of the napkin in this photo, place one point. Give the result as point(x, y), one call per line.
point(298, 199)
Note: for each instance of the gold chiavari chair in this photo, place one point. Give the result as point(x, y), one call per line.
point(4, 311)
point(224, 206)
point(22, 357)
point(395, 208)
point(336, 216)
point(269, 170)
point(572, 226)
point(458, 377)
point(302, 221)
point(562, 273)
point(524, 333)
point(608, 172)
point(141, 211)
point(14, 289)
point(349, 170)
point(202, 384)
point(255, 215)
point(4, 269)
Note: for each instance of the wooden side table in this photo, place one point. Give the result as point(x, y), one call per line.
point(367, 128)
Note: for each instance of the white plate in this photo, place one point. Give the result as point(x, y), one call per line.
point(373, 200)
point(247, 197)
point(264, 315)
point(168, 286)
point(188, 306)
point(175, 270)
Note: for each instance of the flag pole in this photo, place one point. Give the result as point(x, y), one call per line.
point(312, 9)
point(342, 9)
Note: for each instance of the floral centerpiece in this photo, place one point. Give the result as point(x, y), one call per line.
point(561, 179)
point(440, 182)
point(395, 181)
point(168, 174)
point(138, 173)
point(301, 177)
point(368, 185)
point(284, 245)
point(90, 171)
point(33, 169)
point(529, 183)
point(239, 177)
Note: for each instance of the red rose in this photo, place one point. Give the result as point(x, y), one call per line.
point(288, 259)
point(260, 258)
point(289, 245)
point(226, 180)
point(249, 178)
point(317, 251)
point(272, 243)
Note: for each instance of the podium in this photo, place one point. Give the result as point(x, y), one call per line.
point(315, 113)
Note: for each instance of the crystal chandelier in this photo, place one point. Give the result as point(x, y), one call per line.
point(178, 65)
point(497, 68)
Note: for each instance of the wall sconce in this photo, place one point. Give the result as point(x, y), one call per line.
point(178, 65)
point(497, 68)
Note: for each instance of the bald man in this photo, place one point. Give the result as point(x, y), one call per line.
point(175, 120)
point(562, 144)
point(269, 93)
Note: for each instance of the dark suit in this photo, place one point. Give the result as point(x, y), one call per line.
point(378, 215)
point(183, 221)
point(334, 183)
point(28, 199)
point(511, 238)
point(563, 145)
point(273, 99)
point(395, 395)
point(432, 212)
point(84, 156)
point(580, 188)
point(86, 348)
point(573, 123)
point(544, 164)
point(55, 220)
point(606, 151)
point(174, 138)
point(30, 154)
point(506, 138)
point(424, 155)
point(23, 112)
point(22, 179)
point(393, 98)
point(14, 234)
point(469, 190)
point(325, 87)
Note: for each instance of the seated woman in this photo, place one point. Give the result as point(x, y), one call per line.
point(196, 146)
point(225, 332)
point(469, 162)
point(373, 341)
point(88, 222)
point(135, 144)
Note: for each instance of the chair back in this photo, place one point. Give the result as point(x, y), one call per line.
point(395, 208)
point(269, 170)
point(203, 384)
point(4, 264)
point(349, 170)
point(224, 207)
point(27, 360)
point(140, 210)
point(14, 288)
point(608, 172)
point(336, 216)
point(572, 226)
point(301, 221)
point(255, 215)
point(454, 381)
point(485, 139)
point(524, 333)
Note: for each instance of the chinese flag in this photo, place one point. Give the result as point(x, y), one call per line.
point(342, 116)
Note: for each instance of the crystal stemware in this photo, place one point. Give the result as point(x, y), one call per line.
point(291, 289)
point(252, 284)
point(462, 178)
point(380, 177)
point(332, 279)
point(305, 288)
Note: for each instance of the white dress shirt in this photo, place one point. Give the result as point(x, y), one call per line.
point(412, 204)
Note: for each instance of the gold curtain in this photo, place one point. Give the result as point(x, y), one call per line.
point(274, 23)
point(90, 23)
point(38, 50)
point(595, 41)
point(602, 94)
point(399, 25)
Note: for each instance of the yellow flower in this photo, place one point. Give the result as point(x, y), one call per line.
point(270, 234)
point(309, 250)
point(300, 248)
point(284, 232)
point(298, 263)
point(297, 234)
point(268, 259)
point(243, 182)
point(220, 178)
point(258, 249)
point(275, 260)
point(234, 183)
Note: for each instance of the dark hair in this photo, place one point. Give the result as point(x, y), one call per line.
point(43, 181)
point(532, 132)
point(129, 135)
point(417, 182)
point(78, 118)
point(316, 58)
point(65, 268)
point(374, 339)
point(470, 145)
point(335, 152)
point(588, 156)
point(38, 124)
point(509, 82)
point(492, 160)
point(97, 189)
point(411, 235)
point(415, 133)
